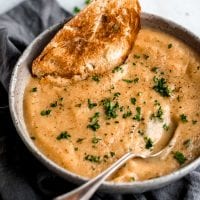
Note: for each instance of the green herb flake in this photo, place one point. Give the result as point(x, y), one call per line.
point(145, 56)
point(158, 115)
point(94, 125)
point(131, 80)
point(87, 2)
point(156, 103)
point(110, 108)
point(127, 114)
point(95, 140)
point(117, 94)
point(34, 89)
point(149, 143)
point(136, 56)
point(133, 100)
point(96, 78)
point(132, 179)
point(45, 112)
point(54, 104)
point(165, 127)
point(80, 140)
point(170, 46)
point(76, 10)
point(134, 64)
point(63, 135)
point(179, 157)
point(117, 69)
point(91, 105)
point(138, 117)
point(76, 149)
point(183, 118)
point(93, 159)
point(161, 87)
point(128, 80)
point(194, 122)
point(112, 154)
point(136, 80)
point(155, 69)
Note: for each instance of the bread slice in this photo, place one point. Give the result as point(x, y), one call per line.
point(96, 40)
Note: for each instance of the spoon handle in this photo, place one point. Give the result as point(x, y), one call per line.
point(86, 191)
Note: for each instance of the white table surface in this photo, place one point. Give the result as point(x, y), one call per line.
point(184, 12)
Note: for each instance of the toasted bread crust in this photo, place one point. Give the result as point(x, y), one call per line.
point(98, 39)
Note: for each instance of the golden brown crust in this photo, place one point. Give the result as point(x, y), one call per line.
point(98, 39)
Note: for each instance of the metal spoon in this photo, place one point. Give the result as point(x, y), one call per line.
point(86, 191)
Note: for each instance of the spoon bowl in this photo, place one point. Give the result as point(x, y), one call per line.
point(86, 191)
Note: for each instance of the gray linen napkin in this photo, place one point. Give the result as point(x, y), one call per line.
point(22, 177)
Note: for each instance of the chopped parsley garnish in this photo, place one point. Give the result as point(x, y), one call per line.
point(131, 80)
point(128, 80)
point(149, 143)
point(80, 140)
point(63, 135)
point(45, 112)
point(169, 46)
point(136, 80)
point(117, 69)
point(76, 10)
point(145, 56)
point(127, 114)
point(94, 125)
point(155, 69)
point(96, 78)
point(76, 149)
point(110, 108)
point(92, 158)
point(132, 179)
point(95, 140)
point(34, 89)
point(112, 154)
point(78, 105)
point(33, 138)
point(179, 157)
point(138, 117)
point(91, 105)
point(133, 100)
point(194, 122)
point(134, 64)
point(156, 103)
point(87, 2)
point(158, 115)
point(117, 94)
point(161, 87)
point(183, 118)
point(141, 132)
point(54, 104)
point(165, 127)
point(136, 56)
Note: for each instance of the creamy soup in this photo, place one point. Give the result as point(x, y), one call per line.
point(139, 106)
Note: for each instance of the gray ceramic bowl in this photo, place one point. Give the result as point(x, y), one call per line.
point(21, 76)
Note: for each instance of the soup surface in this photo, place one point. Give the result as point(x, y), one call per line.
point(139, 106)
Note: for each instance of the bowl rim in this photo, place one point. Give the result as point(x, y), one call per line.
point(72, 177)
